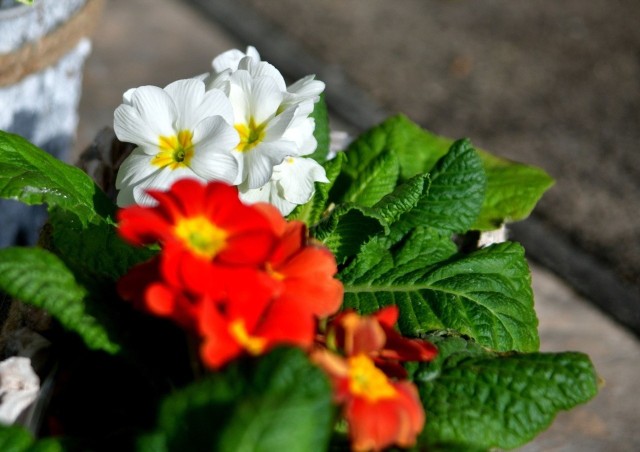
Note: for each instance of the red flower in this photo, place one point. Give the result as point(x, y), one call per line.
point(250, 322)
point(206, 222)
point(304, 270)
point(380, 412)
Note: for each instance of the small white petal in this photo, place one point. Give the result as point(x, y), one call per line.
point(297, 177)
point(126, 97)
point(231, 58)
point(306, 88)
point(263, 69)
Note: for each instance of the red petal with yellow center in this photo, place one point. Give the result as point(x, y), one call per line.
point(378, 425)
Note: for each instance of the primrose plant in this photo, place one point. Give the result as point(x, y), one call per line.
point(247, 292)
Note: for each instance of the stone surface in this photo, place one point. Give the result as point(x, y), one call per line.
point(134, 46)
point(550, 83)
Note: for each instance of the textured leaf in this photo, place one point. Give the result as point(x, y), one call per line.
point(513, 189)
point(485, 295)
point(282, 402)
point(312, 211)
point(404, 198)
point(455, 194)
point(485, 400)
point(41, 279)
point(93, 250)
point(416, 149)
point(321, 131)
point(347, 228)
point(374, 181)
point(30, 175)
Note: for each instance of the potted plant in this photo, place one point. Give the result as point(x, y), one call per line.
point(249, 293)
point(43, 47)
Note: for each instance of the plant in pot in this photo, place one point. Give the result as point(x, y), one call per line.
point(43, 47)
point(222, 284)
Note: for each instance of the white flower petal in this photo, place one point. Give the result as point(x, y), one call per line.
point(160, 180)
point(136, 167)
point(126, 97)
point(131, 128)
point(263, 69)
point(240, 96)
point(306, 88)
point(215, 133)
point(297, 177)
point(19, 387)
point(258, 163)
point(216, 103)
point(215, 166)
point(219, 81)
point(277, 127)
point(265, 98)
point(187, 96)
point(156, 108)
point(231, 58)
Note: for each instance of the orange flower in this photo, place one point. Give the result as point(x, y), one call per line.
point(305, 271)
point(380, 412)
point(376, 337)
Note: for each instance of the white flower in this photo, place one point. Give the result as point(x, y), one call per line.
point(231, 58)
point(19, 386)
point(291, 184)
point(181, 131)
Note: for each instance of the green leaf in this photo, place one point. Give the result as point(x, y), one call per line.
point(485, 400)
point(455, 194)
point(281, 402)
point(374, 181)
point(513, 189)
point(41, 279)
point(30, 175)
point(416, 149)
point(17, 439)
point(485, 295)
point(321, 131)
point(347, 227)
point(93, 250)
point(312, 212)
point(404, 198)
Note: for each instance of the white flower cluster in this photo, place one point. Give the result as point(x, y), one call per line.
point(240, 124)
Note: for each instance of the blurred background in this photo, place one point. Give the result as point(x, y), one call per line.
point(554, 84)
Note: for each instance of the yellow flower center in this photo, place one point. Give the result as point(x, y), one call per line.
point(201, 236)
point(250, 135)
point(176, 151)
point(254, 345)
point(366, 380)
point(274, 274)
